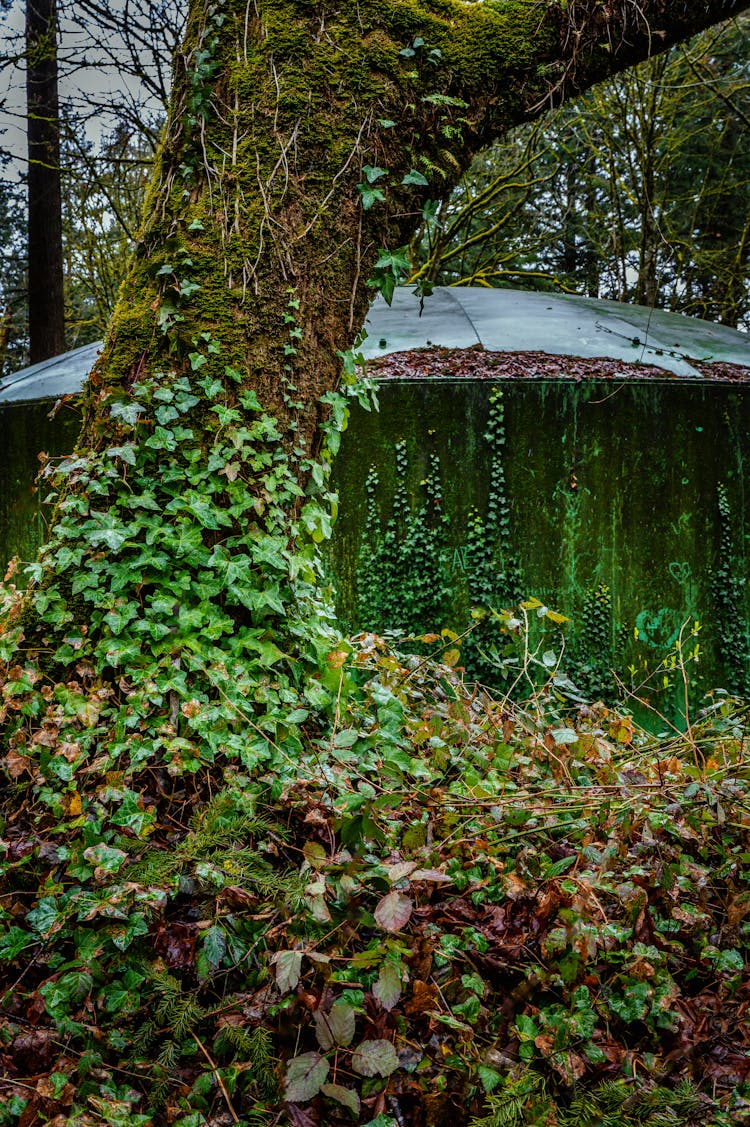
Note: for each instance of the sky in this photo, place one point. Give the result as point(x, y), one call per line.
point(87, 76)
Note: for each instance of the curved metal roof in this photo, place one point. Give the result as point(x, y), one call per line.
point(62, 375)
point(498, 320)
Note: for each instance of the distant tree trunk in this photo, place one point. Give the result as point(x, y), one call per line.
point(6, 328)
point(46, 299)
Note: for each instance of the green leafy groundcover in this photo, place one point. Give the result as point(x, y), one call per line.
point(440, 909)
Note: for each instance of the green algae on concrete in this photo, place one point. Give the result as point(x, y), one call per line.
point(625, 509)
point(28, 430)
point(607, 488)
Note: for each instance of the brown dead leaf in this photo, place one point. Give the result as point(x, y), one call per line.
point(175, 942)
point(738, 909)
point(16, 764)
point(514, 887)
point(641, 969)
point(238, 897)
point(424, 996)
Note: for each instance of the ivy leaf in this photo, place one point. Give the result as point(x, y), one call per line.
point(288, 968)
point(336, 1027)
point(563, 736)
point(370, 196)
point(526, 1027)
point(346, 738)
point(397, 261)
point(387, 989)
point(126, 453)
point(249, 400)
point(305, 1076)
point(166, 414)
point(111, 532)
point(127, 412)
point(14, 942)
point(415, 179)
point(375, 1058)
point(106, 858)
point(45, 918)
point(347, 1097)
point(373, 172)
point(215, 945)
point(393, 911)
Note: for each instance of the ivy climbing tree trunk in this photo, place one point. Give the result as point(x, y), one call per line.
point(173, 644)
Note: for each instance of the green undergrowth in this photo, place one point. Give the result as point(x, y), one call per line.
point(252, 872)
point(418, 905)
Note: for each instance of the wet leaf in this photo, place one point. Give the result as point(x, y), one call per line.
point(393, 912)
point(335, 1027)
point(375, 1058)
point(288, 968)
point(314, 854)
point(305, 1075)
point(387, 989)
point(347, 1097)
point(215, 945)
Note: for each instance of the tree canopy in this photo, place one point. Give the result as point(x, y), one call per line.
point(637, 191)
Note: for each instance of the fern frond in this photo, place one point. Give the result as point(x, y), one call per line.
point(617, 1103)
point(507, 1108)
point(155, 868)
point(144, 1038)
point(169, 1056)
point(254, 1048)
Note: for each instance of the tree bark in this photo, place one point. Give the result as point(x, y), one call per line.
point(45, 255)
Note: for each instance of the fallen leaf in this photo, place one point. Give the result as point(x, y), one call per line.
point(375, 1058)
point(305, 1075)
point(288, 968)
point(347, 1097)
point(393, 911)
point(387, 989)
point(335, 1027)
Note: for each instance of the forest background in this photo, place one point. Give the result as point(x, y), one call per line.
point(637, 191)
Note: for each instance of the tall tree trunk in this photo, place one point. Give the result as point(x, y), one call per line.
point(45, 256)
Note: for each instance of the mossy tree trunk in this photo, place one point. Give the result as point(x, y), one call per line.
point(173, 641)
